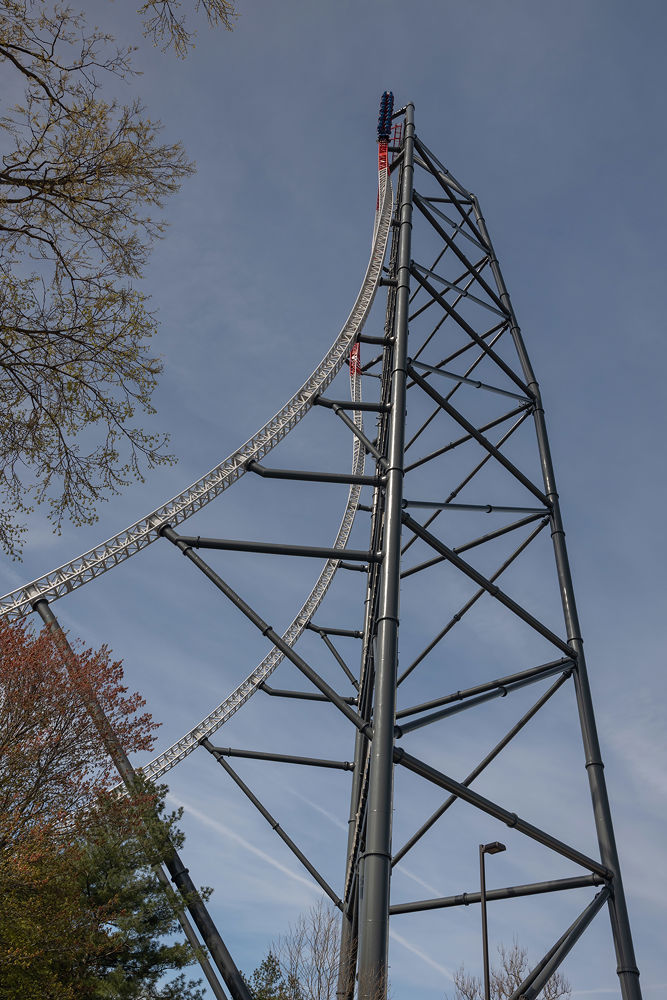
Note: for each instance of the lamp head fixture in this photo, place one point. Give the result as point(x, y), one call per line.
point(495, 848)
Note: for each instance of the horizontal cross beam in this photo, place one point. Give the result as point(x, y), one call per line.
point(475, 383)
point(502, 683)
point(347, 404)
point(278, 549)
point(305, 476)
point(509, 892)
point(282, 758)
point(300, 695)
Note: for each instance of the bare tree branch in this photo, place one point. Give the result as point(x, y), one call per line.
point(80, 179)
point(506, 977)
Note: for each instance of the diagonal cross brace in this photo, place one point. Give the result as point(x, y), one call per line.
point(168, 532)
point(498, 812)
point(535, 982)
point(285, 837)
point(483, 764)
point(456, 316)
point(479, 437)
point(490, 588)
point(475, 383)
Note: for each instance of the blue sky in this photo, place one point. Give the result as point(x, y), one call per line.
point(554, 115)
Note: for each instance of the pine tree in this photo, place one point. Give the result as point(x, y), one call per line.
point(82, 915)
point(268, 982)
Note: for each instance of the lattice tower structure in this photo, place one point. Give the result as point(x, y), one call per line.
point(460, 596)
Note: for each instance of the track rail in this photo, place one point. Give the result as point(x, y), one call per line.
point(240, 695)
point(91, 564)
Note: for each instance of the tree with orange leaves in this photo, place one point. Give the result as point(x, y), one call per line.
point(82, 913)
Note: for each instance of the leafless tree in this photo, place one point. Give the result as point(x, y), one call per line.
point(308, 953)
point(506, 977)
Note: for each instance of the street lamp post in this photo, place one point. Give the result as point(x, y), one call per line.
point(495, 848)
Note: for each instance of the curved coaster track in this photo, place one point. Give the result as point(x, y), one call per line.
point(460, 435)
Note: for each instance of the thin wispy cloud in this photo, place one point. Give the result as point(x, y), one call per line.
point(225, 831)
point(556, 131)
point(421, 954)
point(402, 870)
point(334, 820)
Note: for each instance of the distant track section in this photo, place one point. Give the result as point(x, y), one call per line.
point(240, 695)
point(224, 711)
point(127, 543)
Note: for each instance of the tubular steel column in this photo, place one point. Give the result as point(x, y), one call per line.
point(179, 873)
point(627, 970)
point(374, 917)
point(354, 865)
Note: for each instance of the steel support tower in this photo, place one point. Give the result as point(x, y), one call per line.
point(373, 862)
point(451, 376)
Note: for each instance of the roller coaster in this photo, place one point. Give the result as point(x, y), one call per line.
point(448, 330)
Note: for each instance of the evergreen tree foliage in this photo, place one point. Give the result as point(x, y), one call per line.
point(268, 981)
point(82, 915)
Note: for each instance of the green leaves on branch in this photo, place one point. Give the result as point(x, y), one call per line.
point(80, 180)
